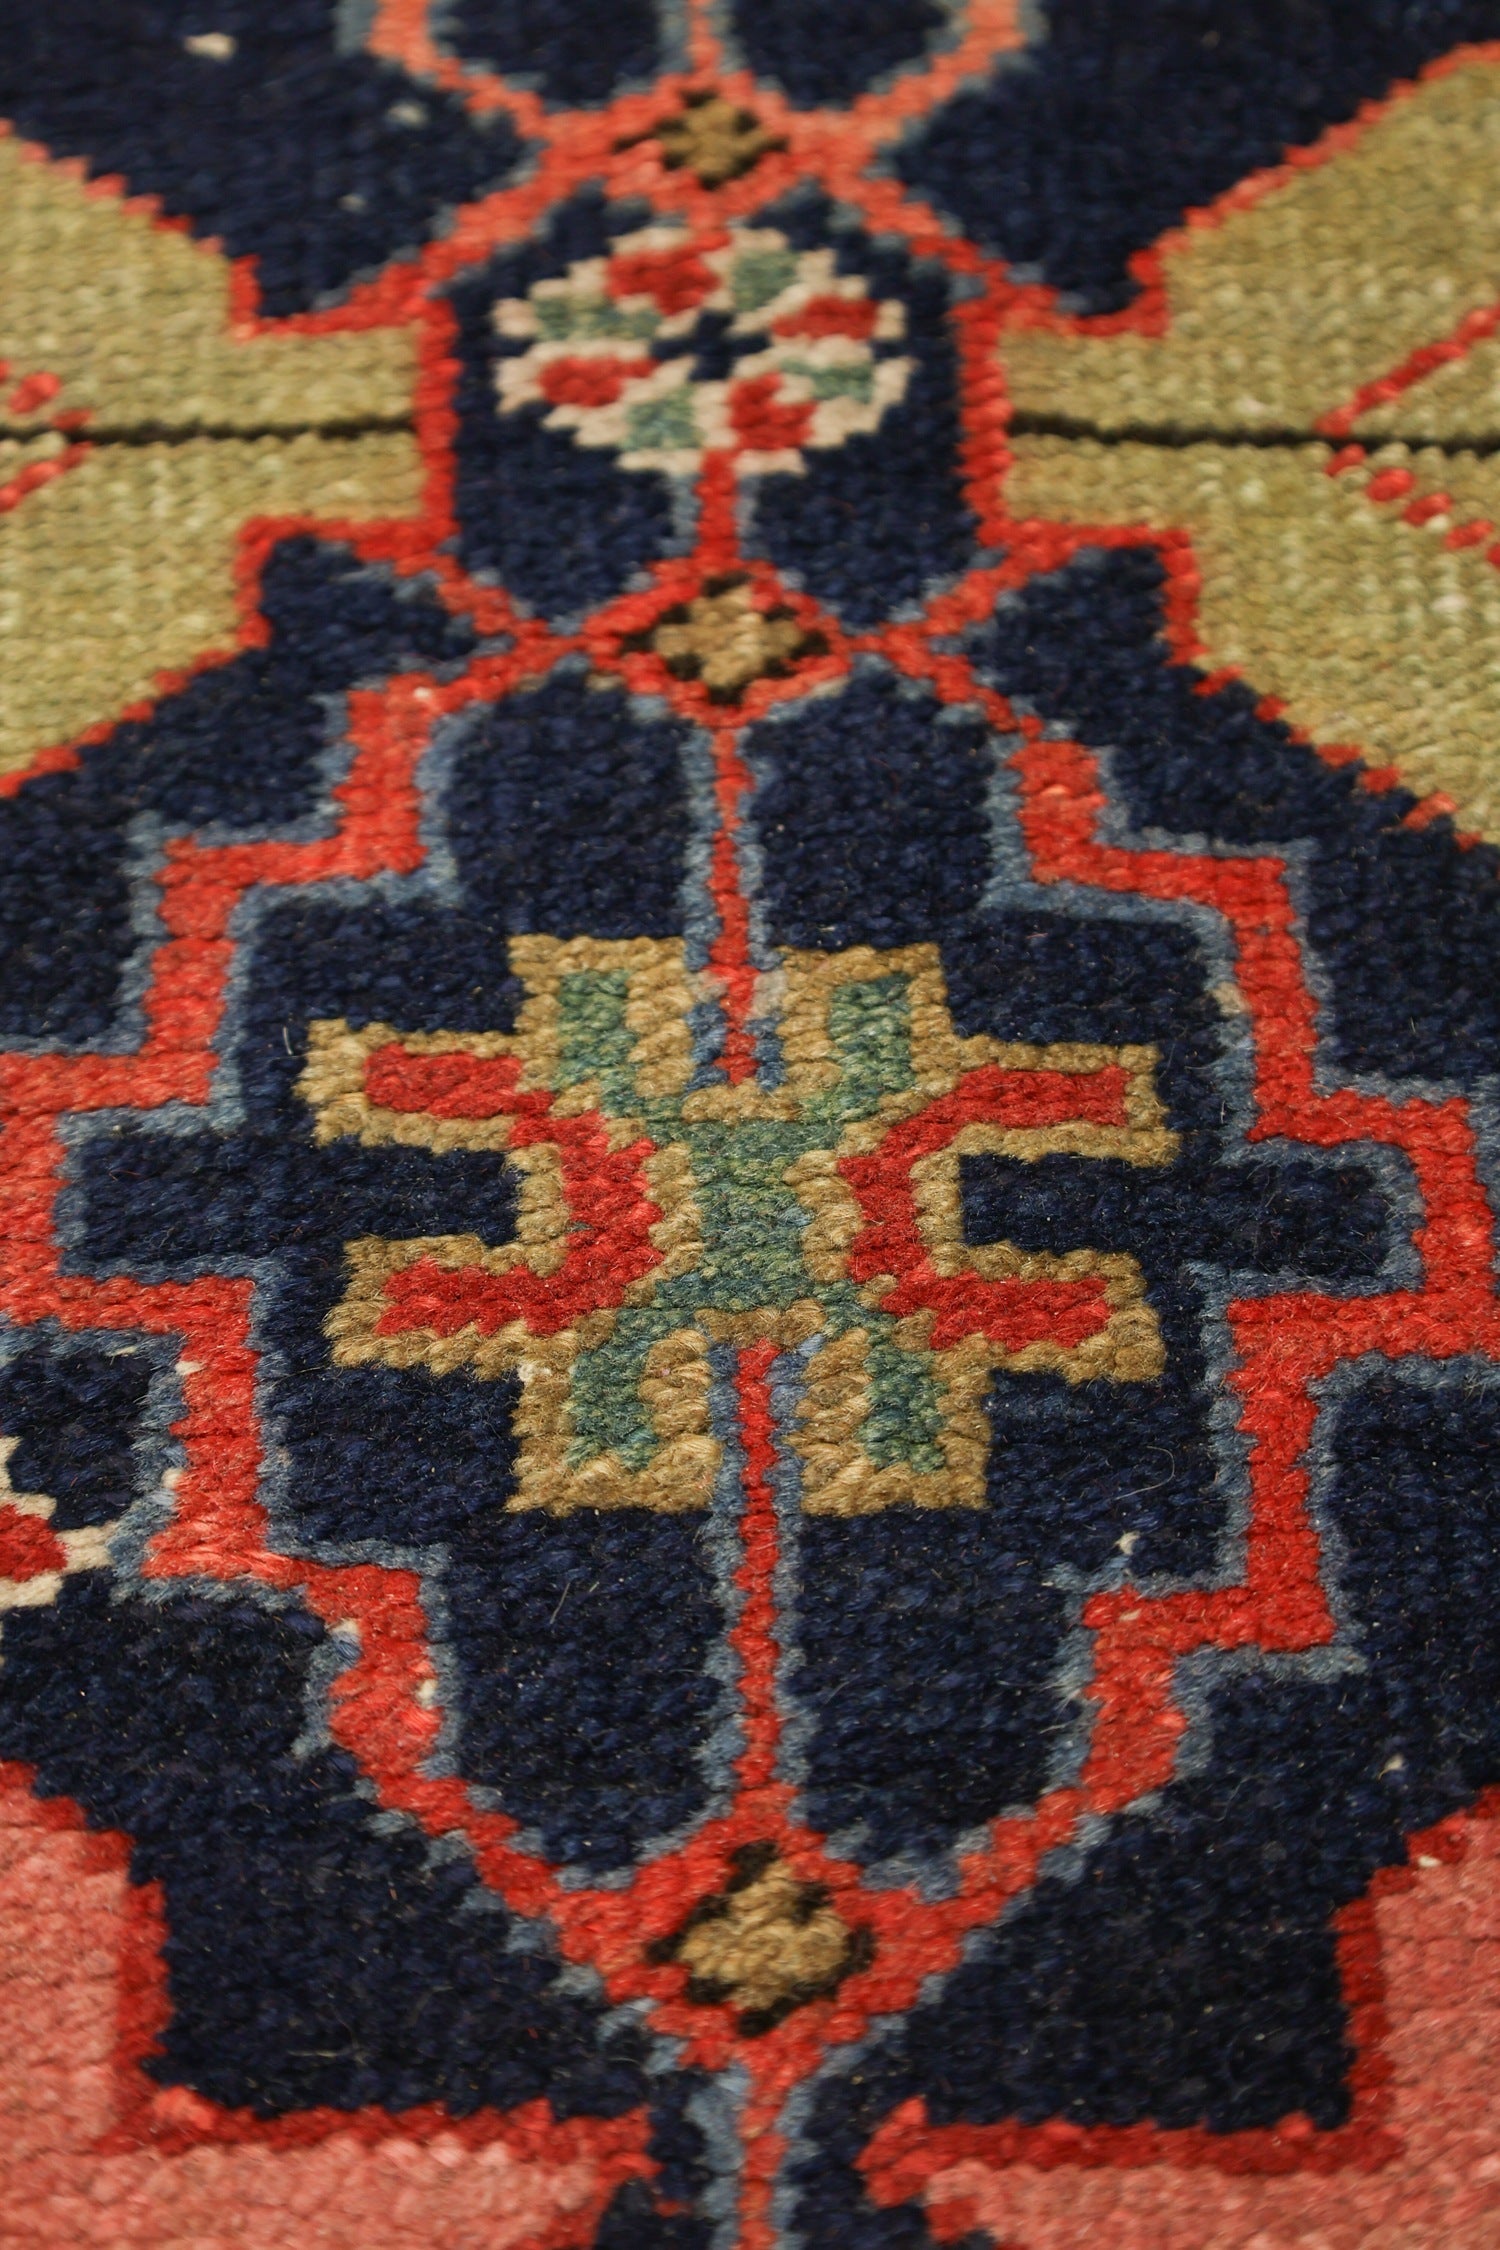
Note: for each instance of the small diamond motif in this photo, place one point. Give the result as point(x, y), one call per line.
point(722, 639)
point(714, 139)
point(766, 1944)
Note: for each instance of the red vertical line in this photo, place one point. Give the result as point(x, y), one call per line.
point(765, 2150)
point(729, 955)
point(702, 39)
point(718, 551)
point(753, 1638)
point(984, 454)
point(755, 1644)
point(718, 547)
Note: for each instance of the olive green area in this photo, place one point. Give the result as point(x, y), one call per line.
point(1357, 284)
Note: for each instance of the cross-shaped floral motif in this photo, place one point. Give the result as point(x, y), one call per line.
point(664, 1211)
point(728, 339)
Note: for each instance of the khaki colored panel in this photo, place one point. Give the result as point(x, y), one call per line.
point(1284, 310)
point(134, 318)
point(1372, 631)
point(124, 567)
point(1456, 404)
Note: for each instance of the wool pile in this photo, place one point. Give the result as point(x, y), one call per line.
point(749, 1124)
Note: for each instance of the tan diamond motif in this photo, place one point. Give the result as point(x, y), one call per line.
point(715, 139)
point(722, 639)
point(766, 1943)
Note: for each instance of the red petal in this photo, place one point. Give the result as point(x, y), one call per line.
point(761, 423)
point(27, 1547)
point(590, 381)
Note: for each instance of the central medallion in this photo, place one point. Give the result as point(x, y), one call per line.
point(663, 1211)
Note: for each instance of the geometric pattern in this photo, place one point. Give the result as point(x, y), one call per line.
point(747, 1031)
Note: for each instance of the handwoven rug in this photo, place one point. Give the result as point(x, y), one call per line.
point(750, 999)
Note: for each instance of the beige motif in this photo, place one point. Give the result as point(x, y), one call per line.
point(724, 639)
point(714, 139)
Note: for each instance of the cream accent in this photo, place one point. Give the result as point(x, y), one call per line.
point(1370, 630)
point(85, 1549)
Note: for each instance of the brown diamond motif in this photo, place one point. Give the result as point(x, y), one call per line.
point(766, 1943)
point(723, 640)
point(715, 139)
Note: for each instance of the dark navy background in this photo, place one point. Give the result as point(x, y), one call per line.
point(928, 1642)
point(1183, 1970)
point(320, 163)
point(564, 527)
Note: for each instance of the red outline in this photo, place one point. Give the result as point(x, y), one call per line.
point(729, 957)
point(890, 1244)
point(607, 1191)
point(834, 148)
point(1284, 1345)
point(907, 2150)
point(219, 1529)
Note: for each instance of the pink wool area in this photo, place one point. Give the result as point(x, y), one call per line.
point(65, 1945)
point(1439, 1934)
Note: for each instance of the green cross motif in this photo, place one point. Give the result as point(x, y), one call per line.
point(665, 1211)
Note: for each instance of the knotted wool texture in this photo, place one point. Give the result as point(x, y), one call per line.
point(749, 1124)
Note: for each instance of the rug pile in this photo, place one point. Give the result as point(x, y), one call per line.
point(749, 1124)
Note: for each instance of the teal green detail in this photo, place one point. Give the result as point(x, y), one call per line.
point(843, 379)
point(607, 1410)
point(905, 1420)
point(759, 275)
point(592, 1035)
point(751, 1222)
point(870, 1029)
point(668, 424)
point(564, 319)
point(747, 1271)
